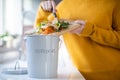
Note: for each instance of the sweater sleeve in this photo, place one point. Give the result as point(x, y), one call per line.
point(41, 16)
point(104, 36)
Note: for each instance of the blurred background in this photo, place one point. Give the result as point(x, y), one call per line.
point(16, 16)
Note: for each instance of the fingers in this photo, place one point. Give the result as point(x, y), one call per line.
point(48, 5)
point(80, 28)
point(54, 6)
point(79, 22)
point(76, 31)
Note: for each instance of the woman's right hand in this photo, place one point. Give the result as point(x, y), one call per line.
point(48, 5)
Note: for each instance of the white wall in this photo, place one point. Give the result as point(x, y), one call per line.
point(13, 16)
point(1, 21)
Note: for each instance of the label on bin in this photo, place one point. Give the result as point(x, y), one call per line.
point(45, 51)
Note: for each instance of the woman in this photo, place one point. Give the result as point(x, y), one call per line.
point(94, 47)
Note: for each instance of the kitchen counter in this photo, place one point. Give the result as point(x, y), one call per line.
point(64, 73)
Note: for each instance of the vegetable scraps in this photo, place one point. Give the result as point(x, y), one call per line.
point(47, 27)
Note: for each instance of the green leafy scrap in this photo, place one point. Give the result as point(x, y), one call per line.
point(62, 25)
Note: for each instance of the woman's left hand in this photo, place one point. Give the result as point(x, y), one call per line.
point(79, 29)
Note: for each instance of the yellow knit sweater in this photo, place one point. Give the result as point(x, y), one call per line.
point(96, 51)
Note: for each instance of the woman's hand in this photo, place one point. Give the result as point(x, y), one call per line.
point(48, 5)
point(79, 29)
